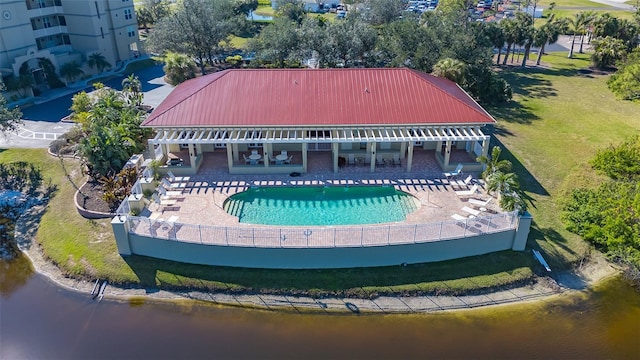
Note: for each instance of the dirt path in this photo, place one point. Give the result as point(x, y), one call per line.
point(544, 287)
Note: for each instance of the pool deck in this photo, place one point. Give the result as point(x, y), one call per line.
point(202, 196)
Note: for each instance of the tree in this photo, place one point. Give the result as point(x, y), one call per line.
point(451, 69)
point(20, 84)
point(98, 61)
point(577, 26)
point(607, 51)
point(71, 71)
point(351, 42)
point(197, 28)
point(496, 35)
point(292, 10)
point(510, 30)
point(384, 11)
point(132, 89)
point(548, 33)
point(527, 35)
point(625, 83)
point(178, 68)
point(278, 43)
point(492, 164)
point(10, 119)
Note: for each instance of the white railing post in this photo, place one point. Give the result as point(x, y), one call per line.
point(415, 232)
point(361, 236)
point(440, 233)
point(334, 236)
point(389, 235)
point(200, 232)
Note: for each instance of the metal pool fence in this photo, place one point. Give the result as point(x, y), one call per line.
point(321, 237)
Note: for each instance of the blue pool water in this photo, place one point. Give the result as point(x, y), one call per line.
point(320, 205)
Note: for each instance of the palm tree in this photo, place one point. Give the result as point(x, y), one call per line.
point(548, 34)
point(607, 51)
point(496, 35)
point(510, 30)
point(71, 71)
point(451, 69)
point(589, 17)
point(578, 25)
point(178, 68)
point(492, 164)
point(132, 89)
point(98, 61)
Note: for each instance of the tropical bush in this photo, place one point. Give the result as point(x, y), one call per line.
point(626, 82)
point(608, 216)
point(179, 68)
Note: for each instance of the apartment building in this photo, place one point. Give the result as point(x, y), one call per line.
point(64, 31)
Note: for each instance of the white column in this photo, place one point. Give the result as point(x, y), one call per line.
point(447, 154)
point(234, 149)
point(409, 155)
point(304, 157)
point(335, 152)
point(266, 149)
point(192, 157)
point(485, 146)
point(230, 156)
point(403, 150)
point(373, 157)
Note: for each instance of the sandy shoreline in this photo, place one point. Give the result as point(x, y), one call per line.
point(562, 283)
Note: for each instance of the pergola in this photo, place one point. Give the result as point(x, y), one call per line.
point(405, 135)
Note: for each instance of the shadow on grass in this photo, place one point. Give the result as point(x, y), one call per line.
point(480, 274)
point(556, 261)
point(528, 182)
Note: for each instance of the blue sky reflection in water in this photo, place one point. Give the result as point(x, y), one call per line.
point(320, 205)
point(42, 321)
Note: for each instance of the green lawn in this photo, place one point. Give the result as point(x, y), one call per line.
point(572, 3)
point(558, 121)
point(265, 10)
point(570, 13)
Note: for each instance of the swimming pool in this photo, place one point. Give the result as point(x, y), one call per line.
point(315, 205)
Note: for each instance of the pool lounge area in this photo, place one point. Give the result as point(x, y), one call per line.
point(196, 219)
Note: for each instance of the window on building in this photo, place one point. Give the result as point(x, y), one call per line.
point(46, 22)
point(127, 14)
point(131, 31)
point(62, 21)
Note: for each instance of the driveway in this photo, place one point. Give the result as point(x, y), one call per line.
point(42, 121)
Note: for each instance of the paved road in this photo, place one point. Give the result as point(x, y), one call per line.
point(42, 121)
point(56, 109)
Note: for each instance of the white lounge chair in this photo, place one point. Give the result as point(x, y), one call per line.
point(480, 203)
point(471, 211)
point(454, 173)
point(379, 161)
point(458, 217)
point(173, 178)
point(169, 194)
point(162, 203)
point(469, 192)
point(171, 186)
point(466, 182)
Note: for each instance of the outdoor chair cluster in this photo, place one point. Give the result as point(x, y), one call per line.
point(169, 191)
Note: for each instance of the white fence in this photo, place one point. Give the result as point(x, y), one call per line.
point(321, 237)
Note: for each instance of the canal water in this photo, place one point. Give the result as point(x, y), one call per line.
point(39, 320)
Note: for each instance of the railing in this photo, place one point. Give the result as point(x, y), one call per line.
point(321, 237)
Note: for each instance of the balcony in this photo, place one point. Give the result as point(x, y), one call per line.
point(41, 4)
point(52, 10)
point(54, 30)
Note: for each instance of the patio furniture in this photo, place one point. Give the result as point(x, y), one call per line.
point(466, 182)
point(169, 194)
point(351, 159)
point(396, 160)
point(481, 204)
point(283, 152)
point(280, 159)
point(458, 217)
point(247, 161)
point(169, 185)
point(471, 211)
point(254, 152)
point(173, 178)
point(273, 160)
point(359, 160)
point(162, 204)
point(379, 161)
point(288, 160)
point(471, 191)
point(454, 173)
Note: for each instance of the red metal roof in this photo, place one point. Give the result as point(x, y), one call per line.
point(317, 97)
